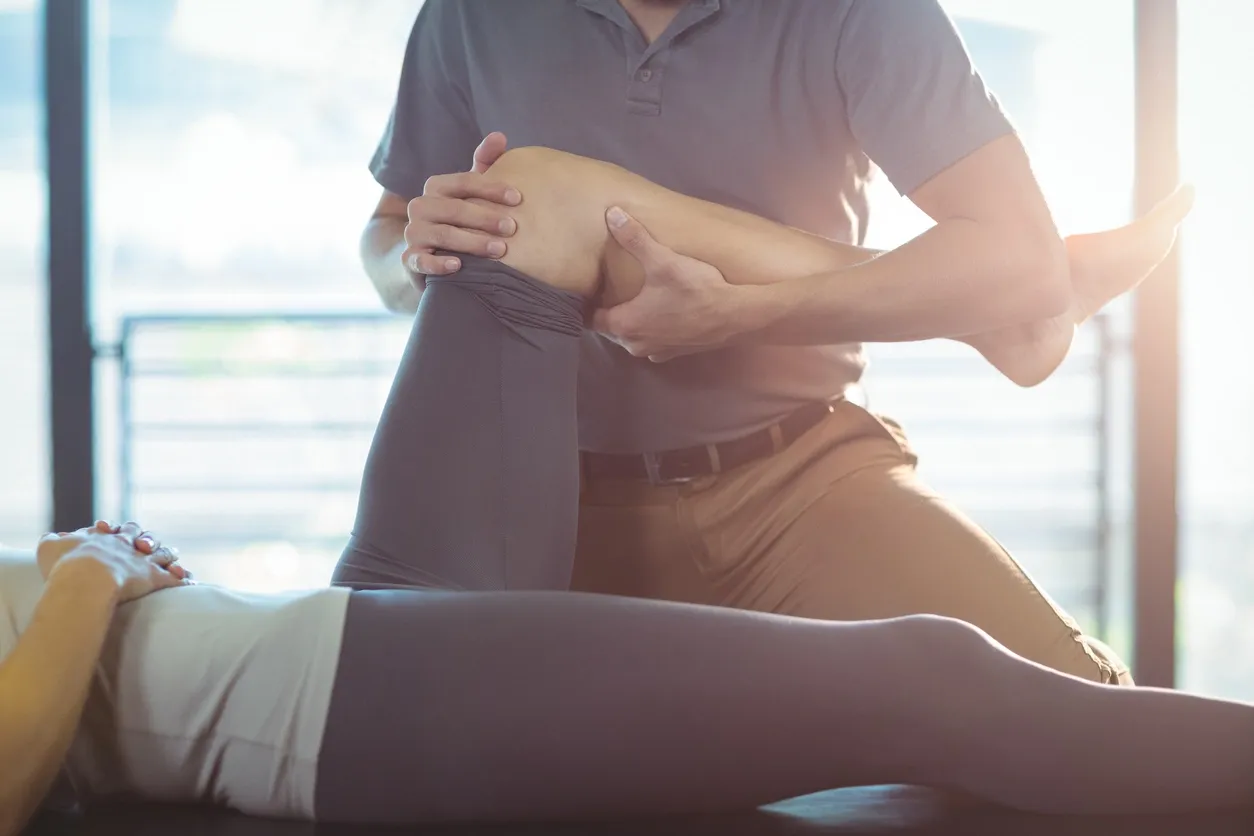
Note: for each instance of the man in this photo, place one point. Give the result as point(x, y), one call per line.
point(722, 477)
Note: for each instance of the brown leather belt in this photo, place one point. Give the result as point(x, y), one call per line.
point(683, 465)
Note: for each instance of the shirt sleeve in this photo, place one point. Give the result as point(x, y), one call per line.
point(432, 129)
point(914, 101)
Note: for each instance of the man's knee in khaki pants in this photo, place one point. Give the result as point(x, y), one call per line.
point(838, 526)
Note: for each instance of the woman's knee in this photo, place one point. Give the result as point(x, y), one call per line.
point(946, 649)
point(561, 235)
point(935, 677)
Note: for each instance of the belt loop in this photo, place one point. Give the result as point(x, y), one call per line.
point(716, 465)
point(777, 438)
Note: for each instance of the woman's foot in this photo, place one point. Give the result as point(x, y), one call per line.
point(1103, 265)
point(1108, 264)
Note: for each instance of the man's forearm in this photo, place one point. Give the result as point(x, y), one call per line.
point(44, 683)
point(382, 244)
point(960, 277)
point(957, 279)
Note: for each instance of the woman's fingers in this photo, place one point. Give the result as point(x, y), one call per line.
point(148, 546)
point(142, 541)
point(129, 531)
point(163, 579)
point(168, 558)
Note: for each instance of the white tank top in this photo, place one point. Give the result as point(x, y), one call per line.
point(202, 694)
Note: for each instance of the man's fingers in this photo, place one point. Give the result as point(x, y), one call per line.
point(465, 185)
point(601, 321)
point(613, 322)
point(633, 237)
point(449, 211)
point(489, 151)
point(426, 263)
point(454, 239)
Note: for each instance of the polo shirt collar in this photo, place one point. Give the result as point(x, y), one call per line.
point(692, 13)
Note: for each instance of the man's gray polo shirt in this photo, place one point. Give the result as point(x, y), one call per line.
point(771, 106)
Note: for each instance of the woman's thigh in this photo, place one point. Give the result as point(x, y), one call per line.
point(464, 706)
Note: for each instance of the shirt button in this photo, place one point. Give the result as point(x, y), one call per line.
point(645, 75)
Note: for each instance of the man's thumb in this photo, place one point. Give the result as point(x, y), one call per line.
point(630, 234)
point(492, 147)
point(603, 320)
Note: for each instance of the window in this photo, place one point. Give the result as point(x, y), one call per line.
point(249, 359)
point(1216, 589)
point(1046, 470)
point(25, 492)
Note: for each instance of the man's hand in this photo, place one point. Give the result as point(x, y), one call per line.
point(685, 306)
point(445, 219)
point(135, 561)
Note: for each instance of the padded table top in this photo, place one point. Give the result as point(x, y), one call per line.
point(888, 811)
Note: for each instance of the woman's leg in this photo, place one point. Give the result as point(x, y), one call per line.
point(524, 706)
point(472, 481)
point(481, 414)
point(562, 237)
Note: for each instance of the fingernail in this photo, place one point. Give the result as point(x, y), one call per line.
point(413, 264)
point(513, 197)
point(507, 226)
point(616, 216)
point(451, 264)
point(496, 249)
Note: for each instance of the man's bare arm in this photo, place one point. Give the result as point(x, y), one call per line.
point(993, 259)
point(978, 283)
point(954, 281)
point(382, 245)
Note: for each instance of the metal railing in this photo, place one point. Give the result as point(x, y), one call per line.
point(243, 429)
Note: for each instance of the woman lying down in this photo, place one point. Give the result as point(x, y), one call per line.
point(458, 703)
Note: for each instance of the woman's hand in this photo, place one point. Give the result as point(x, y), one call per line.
point(45, 678)
point(135, 561)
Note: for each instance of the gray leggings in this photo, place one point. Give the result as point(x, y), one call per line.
point(472, 705)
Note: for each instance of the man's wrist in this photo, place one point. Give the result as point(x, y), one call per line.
point(406, 293)
point(751, 309)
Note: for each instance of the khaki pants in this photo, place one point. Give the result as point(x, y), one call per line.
point(836, 526)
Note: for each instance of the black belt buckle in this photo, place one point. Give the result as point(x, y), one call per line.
point(653, 467)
